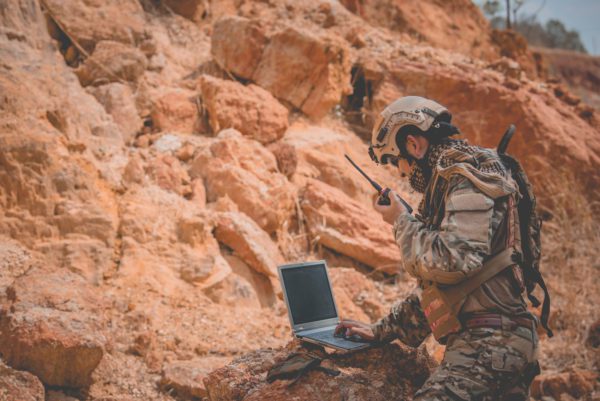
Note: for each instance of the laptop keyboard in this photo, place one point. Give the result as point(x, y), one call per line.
point(327, 336)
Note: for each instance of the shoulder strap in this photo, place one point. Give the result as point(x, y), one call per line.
point(455, 294)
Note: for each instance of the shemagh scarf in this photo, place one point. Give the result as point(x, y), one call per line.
point(437, 157)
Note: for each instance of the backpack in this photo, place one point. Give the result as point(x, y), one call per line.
point(530, 229)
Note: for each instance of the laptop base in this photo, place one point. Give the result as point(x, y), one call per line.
point(324, 336)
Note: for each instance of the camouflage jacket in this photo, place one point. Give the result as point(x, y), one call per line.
point(467, 220)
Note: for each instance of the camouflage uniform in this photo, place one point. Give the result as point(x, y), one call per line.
point(464, 218)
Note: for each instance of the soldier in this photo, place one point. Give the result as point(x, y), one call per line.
point(464, 231)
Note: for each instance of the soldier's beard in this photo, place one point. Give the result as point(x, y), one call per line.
point(420, 174)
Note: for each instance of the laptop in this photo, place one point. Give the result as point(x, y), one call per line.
point(311, 305)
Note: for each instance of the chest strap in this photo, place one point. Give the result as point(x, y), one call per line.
point(455, 294)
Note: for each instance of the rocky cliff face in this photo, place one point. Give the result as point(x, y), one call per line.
point(158, 160)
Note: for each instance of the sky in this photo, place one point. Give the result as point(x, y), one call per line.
point(581, 15)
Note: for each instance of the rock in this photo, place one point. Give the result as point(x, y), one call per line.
point(261, 285)
point(249, 242)
point(87, 257)
point(392, 371)
point(186, 152)
point(241, 57)
point(184, 379)
point(249, 109)
point(168, 242)
point(575, 382)
point(198, 192)
point(118, 101)
point(509, 67)
point(234, 291)
point(321, 153)
point(167, 143)
point(247, 173)
point(287, 158)
point(432, 23)
point(52, 328)
point(134, 171)
point(310, 70)
point(344, 225)
point(19, 386)
point(15, 260)
point(169, 174)
point(356, 295)
point(120, 21)
point(85, 219)
point(175, 111)
point(112, 62)
point(194, 10)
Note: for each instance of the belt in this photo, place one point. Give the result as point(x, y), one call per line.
point(497, 321)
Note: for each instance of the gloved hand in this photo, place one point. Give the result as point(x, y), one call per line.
point(352, 327)
point(390, 212)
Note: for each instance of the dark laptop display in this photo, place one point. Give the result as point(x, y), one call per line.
point(311, 306)
point(309, 294)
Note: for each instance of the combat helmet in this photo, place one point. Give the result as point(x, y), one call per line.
point(403, 116)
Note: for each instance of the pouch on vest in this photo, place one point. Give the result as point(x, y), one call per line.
point(442, 320)
point(295, 365)
point(441, 305)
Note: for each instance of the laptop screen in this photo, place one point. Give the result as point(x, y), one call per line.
point(308, 293)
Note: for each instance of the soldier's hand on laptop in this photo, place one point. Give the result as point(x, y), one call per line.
point(347, 328)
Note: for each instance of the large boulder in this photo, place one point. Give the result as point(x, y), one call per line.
point(246, 172)
point(241, 57)
point(175, 110)
point(52, 327)
point(249, 109)
point(16, 385)
point(249, 242)
point(392, 371)
point(309, 69)
point(89, 21)
point(112, 62)
point(338, 222)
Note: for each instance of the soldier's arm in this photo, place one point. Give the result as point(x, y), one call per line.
point(456, 250)
point(406, 322)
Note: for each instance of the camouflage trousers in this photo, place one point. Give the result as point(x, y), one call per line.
point(484, 364)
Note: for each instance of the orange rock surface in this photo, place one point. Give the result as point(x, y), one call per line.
point(159, 160)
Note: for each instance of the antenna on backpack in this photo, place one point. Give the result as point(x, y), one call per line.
point(501, 149)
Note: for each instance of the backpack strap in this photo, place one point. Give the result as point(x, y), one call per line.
point(546, 305)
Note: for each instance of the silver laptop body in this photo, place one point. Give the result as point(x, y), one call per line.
point(311, 305)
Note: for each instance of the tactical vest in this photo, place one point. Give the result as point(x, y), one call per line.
point(442, 303)
point(521, 252)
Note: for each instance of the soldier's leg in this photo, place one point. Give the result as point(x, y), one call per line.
point(481, 364)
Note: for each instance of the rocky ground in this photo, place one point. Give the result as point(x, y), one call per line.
point(159, 159)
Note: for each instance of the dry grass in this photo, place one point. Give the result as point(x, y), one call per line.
point(571, 267)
